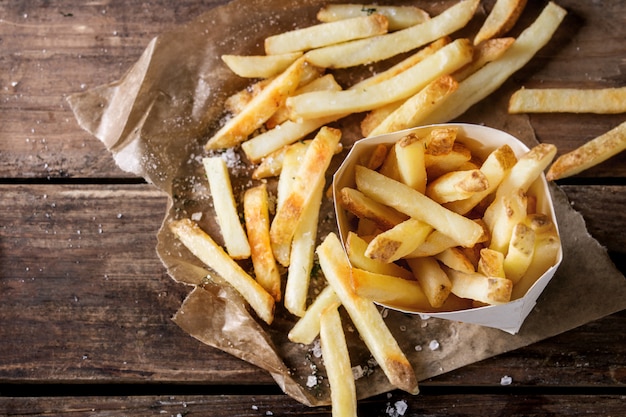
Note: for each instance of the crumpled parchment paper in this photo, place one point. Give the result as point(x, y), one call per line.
point(155, 121)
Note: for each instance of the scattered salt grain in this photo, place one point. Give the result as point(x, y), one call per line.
point(197, 216)
point(397, 409)
point(433, 345)
point(418, 348)
point(358, 372)
point(506, 380)
point(311, 381)
point(317, 349)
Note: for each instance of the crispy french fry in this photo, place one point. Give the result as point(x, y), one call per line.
point(395, 243)
point(337, 364)
point(414, 204)
point(311, 173)
point(272, 164)
point(377, 157)
point(485, 52)
point(259, 66)
point(365, 317)
point(439, 164)
point(440, 141)
point(350, 54)
point(256, 215)
point(456, 258)
point(491, 76)
point(235, 103)
point(500, 20)
point(435, 243)
point(590, 154)
point(457, 185)
point(389, 290)
point(484, 289)
point(409, 154)
point(491, 263)
point(233, 233)
point(418, 107)
point(568, 100)
point(365, 208)
point(399, 17)
point(432, 279)
point(301, 257)
point(259, 109)
point(407, 83)
point(307, 328)
point(356, 247)
point(495, 167)
point(212, 255)
point(520, 252)
point(324, 34)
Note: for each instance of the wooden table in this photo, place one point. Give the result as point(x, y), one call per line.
point(86, 305)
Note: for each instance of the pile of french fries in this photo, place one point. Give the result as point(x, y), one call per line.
point(425, 229)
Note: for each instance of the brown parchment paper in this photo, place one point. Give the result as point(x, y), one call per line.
point(155, 121)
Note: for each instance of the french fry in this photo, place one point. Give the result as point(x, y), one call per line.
point(301, 257)
point(365, 51)
point(500, 20)
point(491, 263)
point(395, 243)
point(238, 101)
point(456, 258)
point(414, 204)
point(457, 185)
point(440, 141)
point(232, 231)
point(311, 173)
point(435, 243)
point(307, 328)
point(491, 76)
point(410, 154)
point(520, 252)
point(482, 288)
point(405, 84)
point(432, 279)
point(337, 364)
point(377, 157)
point(324, 34)
point(485, 52)
point(418, 107)
point(212, 255)
point(258, 110)
point(356, 247)
point(272, 164)
point(389, 290)
point(399, 17)
point(495, 167)
point(259, 66)
point(568, 100)
point(590, 154)
point(439, 164)
point(256, 215)
point(365, 317)
point(364, 207)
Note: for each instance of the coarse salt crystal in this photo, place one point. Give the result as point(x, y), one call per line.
point(506, 380)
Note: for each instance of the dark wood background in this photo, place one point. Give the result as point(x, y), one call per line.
point(85, 304)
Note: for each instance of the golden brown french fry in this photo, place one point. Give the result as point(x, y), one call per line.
point(226, 213)
point(365, 208)
point(337, 363)
point(520, 252)
point(323, 34)
point(307, 328)
point(389, 290)
point(418, 107)
point(590, 154)
point(440, 141)
point(376, 157)
point(395, 243)
point(491, 263)
point(495, 167)
point(235, 103)
point(491, 76)
point(212, 255)
point(310, 174)
point(259, 66)
point(399, 17)
point(500, 20)
point(485, 52)
point(407, 83)
point(415, 204)
point(435, 243)
point(365, 317)
point(259, 109)
point(484, 289)
point(355, 248)
point(433, 280)
point(569, 100)
point(364, 51)
point(439, 164)
point(410, 154)
point(456, 258)
point(256, 215)
point(457, 185)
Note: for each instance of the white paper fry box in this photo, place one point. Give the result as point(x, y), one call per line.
point(481, 140)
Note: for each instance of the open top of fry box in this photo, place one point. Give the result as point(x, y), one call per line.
point(481, 140)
